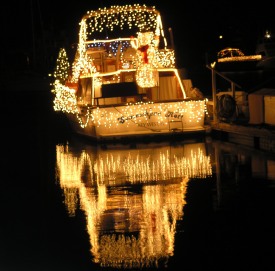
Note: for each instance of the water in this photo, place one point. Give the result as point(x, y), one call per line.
point(70, 205)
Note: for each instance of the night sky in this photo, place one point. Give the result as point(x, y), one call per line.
point(196, 26)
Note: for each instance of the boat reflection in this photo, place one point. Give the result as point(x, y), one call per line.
point(132, 197)
point(238, 168)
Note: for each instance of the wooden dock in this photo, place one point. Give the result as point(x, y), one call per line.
point(231, 119)
point(260, 137)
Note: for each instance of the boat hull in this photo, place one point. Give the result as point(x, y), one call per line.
point(125, 87)
point(140, 120)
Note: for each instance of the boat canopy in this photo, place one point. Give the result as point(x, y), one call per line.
point(121, 21)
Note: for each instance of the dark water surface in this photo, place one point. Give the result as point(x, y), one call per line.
point(70, 205)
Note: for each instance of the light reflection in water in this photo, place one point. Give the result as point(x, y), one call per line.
point(132, 198)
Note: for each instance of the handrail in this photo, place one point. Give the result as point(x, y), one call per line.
point(224, 77)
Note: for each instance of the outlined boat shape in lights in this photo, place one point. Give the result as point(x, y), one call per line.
point(132, 198)
point(123, 81)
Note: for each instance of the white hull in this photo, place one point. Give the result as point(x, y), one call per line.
point(125, 87)
point(155, 119)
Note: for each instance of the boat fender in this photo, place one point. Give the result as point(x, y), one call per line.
point(226, 106)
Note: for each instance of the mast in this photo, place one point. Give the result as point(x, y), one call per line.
point(33, 34)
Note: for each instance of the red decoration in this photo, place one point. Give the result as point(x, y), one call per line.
point(143, 50)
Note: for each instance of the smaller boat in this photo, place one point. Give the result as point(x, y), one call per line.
point(233, 59)
point(123, 81)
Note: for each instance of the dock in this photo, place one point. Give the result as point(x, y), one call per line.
point(260, 137)
point(242, 117)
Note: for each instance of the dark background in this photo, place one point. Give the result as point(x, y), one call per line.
point(33, 31)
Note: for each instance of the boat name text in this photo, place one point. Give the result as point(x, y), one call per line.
point(169, 114)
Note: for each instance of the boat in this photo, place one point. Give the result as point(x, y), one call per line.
point(249, 73)
point(234, 59)
point(123, 81)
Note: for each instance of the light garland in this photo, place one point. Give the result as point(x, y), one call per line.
point(140, 56)
point(61, 72)
point(235, 54)
point(139, 17)
point(65, 98)
point(142, 17)
point(190, 111)
point(121, 17)
point(146, 73)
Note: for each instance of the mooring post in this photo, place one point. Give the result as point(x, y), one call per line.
point(214, 96)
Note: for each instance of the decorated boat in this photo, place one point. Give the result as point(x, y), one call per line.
point(123, 81)
point(233, 59)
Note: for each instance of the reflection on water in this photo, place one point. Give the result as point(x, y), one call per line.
point(238, 169)
point(132, 197)
point(226, 221)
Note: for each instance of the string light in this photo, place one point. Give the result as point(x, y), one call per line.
point(133, 57)
point(235, 54)
point(61, 72)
